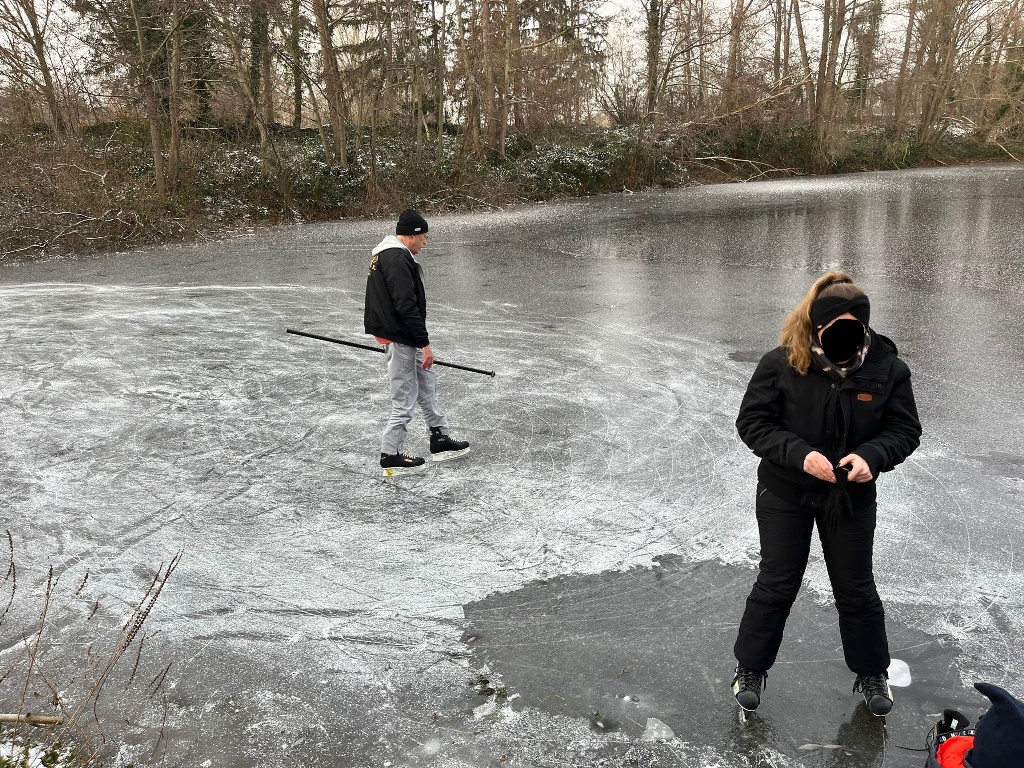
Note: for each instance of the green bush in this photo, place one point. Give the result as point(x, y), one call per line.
point(592, 163)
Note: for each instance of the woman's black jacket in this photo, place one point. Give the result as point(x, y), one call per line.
point(396, 303)
point(784, 416)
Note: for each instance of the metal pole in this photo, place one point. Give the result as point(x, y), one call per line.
point(334, 341)
point(380, 349)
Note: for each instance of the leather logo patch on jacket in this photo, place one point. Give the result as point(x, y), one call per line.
point(865, 397)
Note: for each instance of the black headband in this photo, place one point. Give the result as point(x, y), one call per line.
point(827, 308)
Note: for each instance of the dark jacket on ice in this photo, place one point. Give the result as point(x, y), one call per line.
point(784, 416)
point(396, 304)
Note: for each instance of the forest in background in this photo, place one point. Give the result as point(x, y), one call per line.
point(125, 122)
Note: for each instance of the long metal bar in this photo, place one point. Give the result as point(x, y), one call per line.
point(381, 349)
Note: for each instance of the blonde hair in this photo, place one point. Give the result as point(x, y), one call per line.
point(796, 332)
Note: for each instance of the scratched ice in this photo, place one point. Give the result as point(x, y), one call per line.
point(321, 615)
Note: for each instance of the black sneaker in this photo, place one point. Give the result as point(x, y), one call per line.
point(400, 464)
point(443, 447)
point(746, 687)
point(877, 693)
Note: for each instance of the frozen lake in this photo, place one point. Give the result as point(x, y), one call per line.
point(584, 569)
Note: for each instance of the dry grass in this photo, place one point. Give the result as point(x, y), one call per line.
point(55, 697)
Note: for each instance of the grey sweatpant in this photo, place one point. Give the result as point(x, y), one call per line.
point(410, 385)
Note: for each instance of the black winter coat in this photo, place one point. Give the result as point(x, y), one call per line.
point(784, 416)
point(396, 304)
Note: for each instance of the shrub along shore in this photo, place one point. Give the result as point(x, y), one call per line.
point(95, 192)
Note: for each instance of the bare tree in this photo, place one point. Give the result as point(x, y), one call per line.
point(134, 35)
point(325, 25)
point(25, 30)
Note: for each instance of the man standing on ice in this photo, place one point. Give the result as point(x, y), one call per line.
point(396, 315)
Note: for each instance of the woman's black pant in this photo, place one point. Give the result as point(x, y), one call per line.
point(785, 531)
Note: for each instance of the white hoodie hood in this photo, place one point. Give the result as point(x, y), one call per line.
point(390, 242)
point(393, 242)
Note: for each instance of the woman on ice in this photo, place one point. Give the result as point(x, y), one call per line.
point(826, 412)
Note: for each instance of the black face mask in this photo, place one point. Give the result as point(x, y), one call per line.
point(842, 340)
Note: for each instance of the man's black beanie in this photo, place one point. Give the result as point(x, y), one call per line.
point(410, 223)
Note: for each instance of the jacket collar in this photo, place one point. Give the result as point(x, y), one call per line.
point(390, 242)
point(879, 359)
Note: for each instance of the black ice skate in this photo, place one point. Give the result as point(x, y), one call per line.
point(400, 464)
point(746, 687)
point(443, 447)
point(877, 693)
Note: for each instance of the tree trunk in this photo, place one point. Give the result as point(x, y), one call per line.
point(149, 95)
point(808, 87)
point(654, 39)
point(258, 46)
point(324, 141)
point(688, 89)
point(471, 130)
point(38, 43)
point(174, 96)
point(826, 39)
point(901, 78)
point(702, 61)
point(780, 14)
point(512, 43)
point(944, 72)
point(490, 95)
point(332, 78)
point(440, 67)
point(416, 96)
point(787, 39)
point(733, 68)
point(828, 86)
point(267, 75)
point(295, 54)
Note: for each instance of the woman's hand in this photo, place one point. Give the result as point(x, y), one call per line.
point(859, 470)
point(816, 465)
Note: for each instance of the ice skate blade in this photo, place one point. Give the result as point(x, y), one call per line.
point(448, 455)
point(740, 704)
point(879, 715)
point(402, 471)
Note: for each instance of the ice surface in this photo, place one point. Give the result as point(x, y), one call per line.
point(151, 402)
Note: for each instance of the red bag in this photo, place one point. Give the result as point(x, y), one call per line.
point(996, 742)
point(949, 740)
point(950, 754)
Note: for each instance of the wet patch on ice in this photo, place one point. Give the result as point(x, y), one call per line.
point(621, 650)
point(1003, 464)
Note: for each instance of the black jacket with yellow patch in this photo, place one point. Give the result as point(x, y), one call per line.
point(396, 303)
point(784, 416)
